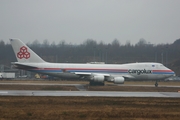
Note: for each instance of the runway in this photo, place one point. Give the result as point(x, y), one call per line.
point(80, 87)
point(88, 93)
point(60, 84)
point(82, 91)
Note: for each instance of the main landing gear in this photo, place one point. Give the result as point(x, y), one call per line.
point(92, 83)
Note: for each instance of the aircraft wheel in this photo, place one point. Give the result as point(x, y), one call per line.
point(156, 84)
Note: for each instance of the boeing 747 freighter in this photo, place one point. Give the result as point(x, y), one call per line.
point(95, 73)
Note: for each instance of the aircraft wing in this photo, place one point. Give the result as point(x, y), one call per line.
point(128, 76)
point(84, 74)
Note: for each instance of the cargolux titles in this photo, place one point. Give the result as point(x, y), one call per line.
point(138, 72)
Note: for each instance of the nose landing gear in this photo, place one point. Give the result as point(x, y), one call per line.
point(156, 84)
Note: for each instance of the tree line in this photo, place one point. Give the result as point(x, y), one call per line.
point(91, 51)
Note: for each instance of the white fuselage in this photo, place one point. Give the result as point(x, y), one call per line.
point(129, 71)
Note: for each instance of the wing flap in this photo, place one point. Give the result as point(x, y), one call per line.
point(89, 74)
point(128, 76)
point(21, 66)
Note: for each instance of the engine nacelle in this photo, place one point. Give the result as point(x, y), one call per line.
point(98, 78)
point(118, 80)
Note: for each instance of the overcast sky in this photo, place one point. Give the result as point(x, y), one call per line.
point(157, 21)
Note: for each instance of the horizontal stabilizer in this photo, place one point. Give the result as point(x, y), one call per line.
point(21, 66)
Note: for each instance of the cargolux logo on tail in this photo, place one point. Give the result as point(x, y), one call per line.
point(23, 53)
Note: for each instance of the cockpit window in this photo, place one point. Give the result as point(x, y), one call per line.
point(162, 65)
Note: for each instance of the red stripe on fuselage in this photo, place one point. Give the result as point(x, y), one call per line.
point(162, 71)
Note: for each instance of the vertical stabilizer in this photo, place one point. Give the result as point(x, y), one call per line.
point(23, 53)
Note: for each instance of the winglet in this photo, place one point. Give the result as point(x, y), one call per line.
point(23, 53)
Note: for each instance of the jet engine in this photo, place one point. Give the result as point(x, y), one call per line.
point(98, 78)
point(118, 80)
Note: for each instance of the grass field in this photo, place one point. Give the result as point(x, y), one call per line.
point(88, 108)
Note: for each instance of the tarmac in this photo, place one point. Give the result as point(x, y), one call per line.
point(82, 92)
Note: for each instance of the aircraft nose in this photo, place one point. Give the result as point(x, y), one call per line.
point(173, 73)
